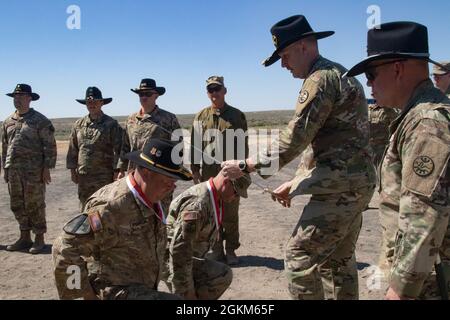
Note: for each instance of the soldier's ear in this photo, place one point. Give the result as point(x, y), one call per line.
point(225, 90)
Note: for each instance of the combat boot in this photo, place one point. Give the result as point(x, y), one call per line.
point(232, 258)
point(38, 244)
point(23, 243)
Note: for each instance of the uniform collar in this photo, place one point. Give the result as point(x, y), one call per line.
point(152, 114)
point(220, 111)
point(448, 91)
point(421, 90)
point(16, 115)
point(316, 65)
point(98, 120)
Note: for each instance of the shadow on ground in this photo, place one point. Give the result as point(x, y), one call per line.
point(255, 261)
point(363, 265)
point(47, 249)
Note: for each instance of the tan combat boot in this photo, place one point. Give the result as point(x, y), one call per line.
point(23, 243)
point(38, 244)
point(232, 258)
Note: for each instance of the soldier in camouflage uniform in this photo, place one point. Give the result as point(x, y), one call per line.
point(441, 75)
point(28, 154)
point(194, 223)
point(122, 234)
point(94, 148)
point(415, 175)
point(209, 134)
point(150, 122)
point(331, 115)
point(380, 119)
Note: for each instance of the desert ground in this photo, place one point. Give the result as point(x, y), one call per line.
point(265, 227)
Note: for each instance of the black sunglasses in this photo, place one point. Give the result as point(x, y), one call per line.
point(214, 89)
point(371, 75)
point(146, 94)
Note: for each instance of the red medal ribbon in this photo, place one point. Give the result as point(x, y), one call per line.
point(138, 193)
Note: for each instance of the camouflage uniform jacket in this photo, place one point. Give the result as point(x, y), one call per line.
point(332, 115)
point(124, 237)
point(415, 181)
point(192, 232)
point(380, 118)
point(139, 128)
point(94, 145)
point(226, 119)
point(448, 92)
point(28, 142)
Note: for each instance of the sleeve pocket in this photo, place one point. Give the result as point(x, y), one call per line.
point(426, 165)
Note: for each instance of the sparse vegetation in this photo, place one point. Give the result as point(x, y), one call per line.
point(258, 120)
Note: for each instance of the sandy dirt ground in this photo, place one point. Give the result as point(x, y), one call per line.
point(265, 227)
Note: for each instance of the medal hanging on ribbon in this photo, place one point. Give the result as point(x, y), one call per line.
point(217, 205)
point(139, 194)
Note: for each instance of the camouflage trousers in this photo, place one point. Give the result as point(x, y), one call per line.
point(135, 292)
point(320, 260)
point(27, 196)
point(430, 289)
point(89, 184)
point(211, 278)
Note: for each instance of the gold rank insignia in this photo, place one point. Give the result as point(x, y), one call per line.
point(423, 166)
point(275, 40)
point(153, 151)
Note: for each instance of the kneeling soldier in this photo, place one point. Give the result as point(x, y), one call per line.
point(194, 222)
point(123, 233)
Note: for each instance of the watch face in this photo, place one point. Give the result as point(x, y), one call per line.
point(242, 165)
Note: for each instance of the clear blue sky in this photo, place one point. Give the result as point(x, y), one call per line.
point(180, 43)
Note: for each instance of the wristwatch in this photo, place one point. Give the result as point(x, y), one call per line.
point(242, 165)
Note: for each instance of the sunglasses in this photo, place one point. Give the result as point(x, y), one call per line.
point(214, 89)
point(147, 94)
point(371, 73)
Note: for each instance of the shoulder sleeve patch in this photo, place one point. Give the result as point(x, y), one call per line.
point(304, 95)
point(95, 221)
point(78, 226)
point(190, 215)
point(427, 165)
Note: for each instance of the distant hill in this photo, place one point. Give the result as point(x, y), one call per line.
point(259, 119)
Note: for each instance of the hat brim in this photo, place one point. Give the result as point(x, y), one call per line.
point(134, 157)
point(105, 101)
point(161, 90)
point(362, 66)
point(275, 55)
point(214, 83)
point(34, 96)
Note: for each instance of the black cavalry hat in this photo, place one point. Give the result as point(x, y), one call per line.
point(402, 39)
point(148, 85)
point(24, 88)
point(94, 93)
point(157, 156)
point(289, 30)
